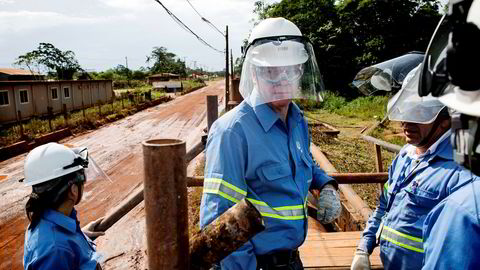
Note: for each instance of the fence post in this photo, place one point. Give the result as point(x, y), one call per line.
point(122, 96)
point(212, 110)
point(378, 164)
point(65, 114)
point(83, 109)
point(22, 135)
point(50, 115)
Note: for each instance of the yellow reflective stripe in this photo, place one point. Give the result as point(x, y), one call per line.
point(402, 244)
point(223, 182)
point(293, 207)
point(281, 217)
point(386, 186)
point(416, 239)
point(226, 196)
point(257, 202)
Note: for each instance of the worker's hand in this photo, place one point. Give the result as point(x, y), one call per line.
point(361, 261)
point(328, 205)
point(90, 229)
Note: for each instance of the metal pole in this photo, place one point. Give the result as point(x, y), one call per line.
point(227, 82)
point(225, 234)
point(166, 204)
point(212, 110)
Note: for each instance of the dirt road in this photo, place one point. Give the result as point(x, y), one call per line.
point(117, 149)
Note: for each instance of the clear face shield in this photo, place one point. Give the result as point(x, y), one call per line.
point(386, 76)
point(282, 68)
point(93, 172)
point(408, 106)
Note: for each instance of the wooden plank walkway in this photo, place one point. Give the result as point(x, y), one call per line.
point(332, 251)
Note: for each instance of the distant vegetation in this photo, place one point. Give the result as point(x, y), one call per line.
point(348, 35)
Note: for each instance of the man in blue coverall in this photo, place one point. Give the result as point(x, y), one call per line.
point(260, 150)
point(452, 229)
point(421, 175)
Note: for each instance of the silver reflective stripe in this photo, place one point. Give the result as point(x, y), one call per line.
point(224, 189)
point(293, 212)
point(401, 239)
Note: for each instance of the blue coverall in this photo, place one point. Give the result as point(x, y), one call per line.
point(252, 153)
point(452, 231)
point(416, 184)
point(57, 242)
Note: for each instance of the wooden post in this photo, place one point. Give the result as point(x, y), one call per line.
point(50, 114)
point(83, 109)
point(65, 114)
point(22, 135)
point(212, 110)
point(378, 165)
point(122, 96)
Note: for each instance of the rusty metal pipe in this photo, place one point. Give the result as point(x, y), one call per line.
point(166, 206)
point(137, 196)
point(225, 235)
point(341, 178)
point(388, 146)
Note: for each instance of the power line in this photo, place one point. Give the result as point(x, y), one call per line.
point(179, 22)
point(205, 20)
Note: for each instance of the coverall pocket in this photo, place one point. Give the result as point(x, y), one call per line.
point(419, 202)
point(276, 172)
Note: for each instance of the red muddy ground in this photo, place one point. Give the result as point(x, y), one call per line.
point(117, 149)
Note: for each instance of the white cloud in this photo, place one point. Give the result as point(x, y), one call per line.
point(20, 21)
point(6, 2)
point(129, 4)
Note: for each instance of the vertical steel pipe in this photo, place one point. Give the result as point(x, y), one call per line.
point(165, 192)
point(212, 110)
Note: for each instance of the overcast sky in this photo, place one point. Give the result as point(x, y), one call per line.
point(103, 32)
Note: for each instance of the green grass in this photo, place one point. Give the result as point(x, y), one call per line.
point(362, 107)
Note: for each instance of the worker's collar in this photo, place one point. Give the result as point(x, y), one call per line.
point(68, 223)
point(440, 148)
point(268, 117)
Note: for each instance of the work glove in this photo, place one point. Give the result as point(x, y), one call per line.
point(328, 205)
point(90, 229)
point(361, 261)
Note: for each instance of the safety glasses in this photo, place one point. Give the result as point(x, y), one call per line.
point(277, 74)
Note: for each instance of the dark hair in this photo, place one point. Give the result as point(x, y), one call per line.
point(49, 195)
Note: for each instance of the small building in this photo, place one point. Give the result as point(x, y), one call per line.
point(32, 98)
point(14, 74)
point(162, 77)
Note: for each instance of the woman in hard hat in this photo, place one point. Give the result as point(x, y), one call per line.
point(54, 239)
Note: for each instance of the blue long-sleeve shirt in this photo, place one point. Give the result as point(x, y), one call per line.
point(57, 242)
point(252, 153)
point(452, 231)
point(415, 186)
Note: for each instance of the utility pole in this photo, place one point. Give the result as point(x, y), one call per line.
point(227, 81)
point(128, 73)
point(231, 64)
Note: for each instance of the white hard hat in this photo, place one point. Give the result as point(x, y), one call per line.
point(279, 64)
point(274, 27)
point(51, 161)
point(408, 106)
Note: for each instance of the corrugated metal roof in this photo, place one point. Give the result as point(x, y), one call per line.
point(16, 71)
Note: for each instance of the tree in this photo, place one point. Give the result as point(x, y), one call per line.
point(348, 35)
point(61, 63)
point(165, 62)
